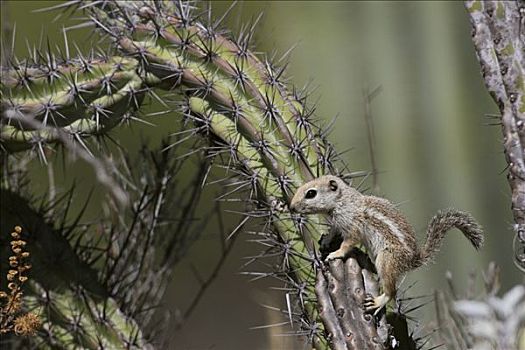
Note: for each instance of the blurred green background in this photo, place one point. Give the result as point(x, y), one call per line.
point(433, 143)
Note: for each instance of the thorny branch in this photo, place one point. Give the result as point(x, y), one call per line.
point(498, 34)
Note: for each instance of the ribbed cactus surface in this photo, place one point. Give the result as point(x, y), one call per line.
point(78, 97)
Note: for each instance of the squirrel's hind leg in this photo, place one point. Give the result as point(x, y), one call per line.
point(376, 303)
point(388, 275)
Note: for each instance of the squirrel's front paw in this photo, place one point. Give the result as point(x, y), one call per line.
point(335, 255)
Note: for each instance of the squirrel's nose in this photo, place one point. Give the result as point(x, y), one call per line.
point(292, 207)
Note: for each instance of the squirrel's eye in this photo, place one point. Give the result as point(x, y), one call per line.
point(310, 194)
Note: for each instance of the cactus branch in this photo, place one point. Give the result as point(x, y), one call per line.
point(341, 291)
point(498, 33)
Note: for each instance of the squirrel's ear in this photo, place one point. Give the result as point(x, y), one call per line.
point(333, 185)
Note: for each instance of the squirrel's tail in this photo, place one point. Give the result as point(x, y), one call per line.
point(442, 222)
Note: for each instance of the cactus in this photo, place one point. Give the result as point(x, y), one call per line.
point(246, 117)
point(497, 33)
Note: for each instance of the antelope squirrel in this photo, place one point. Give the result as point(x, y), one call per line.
point(381, 227)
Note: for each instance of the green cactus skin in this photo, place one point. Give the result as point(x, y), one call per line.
point(76, 320)
point(80, 96)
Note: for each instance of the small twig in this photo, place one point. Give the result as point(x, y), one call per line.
point(52, 187)
point(205, 284)
point(7, 35)
point(187, 213)
point(368, 96)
